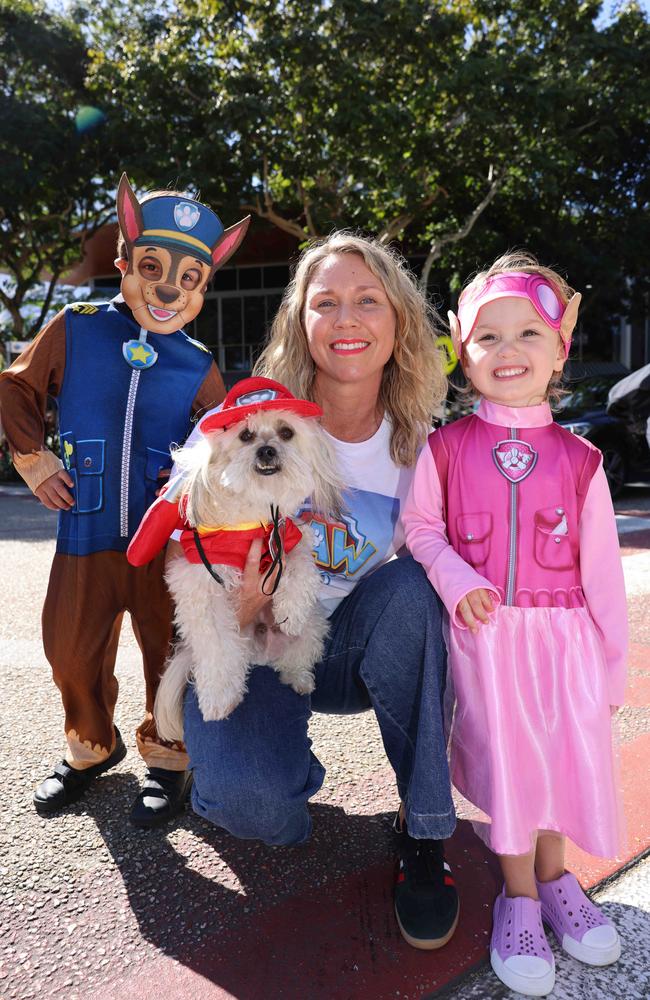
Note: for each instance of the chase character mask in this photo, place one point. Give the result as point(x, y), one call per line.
point(174, 245)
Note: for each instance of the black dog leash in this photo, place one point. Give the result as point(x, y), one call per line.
point(276, 551)
point(204, 559)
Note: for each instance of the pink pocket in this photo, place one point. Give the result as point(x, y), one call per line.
point(474, 532)
point(553, 548)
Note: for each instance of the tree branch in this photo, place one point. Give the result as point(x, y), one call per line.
point(46, 303)
point(393, 229)
point(306, 204)
point(267, 211)
point(13, 308)
point(459, 234)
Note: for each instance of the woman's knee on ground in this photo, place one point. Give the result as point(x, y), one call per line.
point(274, 813)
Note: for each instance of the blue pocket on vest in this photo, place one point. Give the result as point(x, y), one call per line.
point(156, 462)
point(84, 460)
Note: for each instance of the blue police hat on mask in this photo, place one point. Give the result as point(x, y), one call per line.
point(180, 224)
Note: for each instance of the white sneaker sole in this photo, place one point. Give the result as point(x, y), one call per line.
point(537, 986)
point(430, 944)
point(589, 955)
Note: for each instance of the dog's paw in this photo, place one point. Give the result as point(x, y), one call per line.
point(302, 681)
point(218, 706)
point(221, 712)
point(216, 713)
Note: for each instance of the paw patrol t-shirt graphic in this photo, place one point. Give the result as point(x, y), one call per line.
point(369, 532)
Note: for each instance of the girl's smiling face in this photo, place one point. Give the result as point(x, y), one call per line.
point(349, 320)
point(512, 353)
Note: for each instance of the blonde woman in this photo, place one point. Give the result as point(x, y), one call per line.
point(354, 334)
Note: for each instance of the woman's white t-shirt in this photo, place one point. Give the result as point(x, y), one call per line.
point(370, 530)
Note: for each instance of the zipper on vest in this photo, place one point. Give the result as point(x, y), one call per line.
point(512, 536)
point(126, 454)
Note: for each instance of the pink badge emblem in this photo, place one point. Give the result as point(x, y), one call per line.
point(514, 459)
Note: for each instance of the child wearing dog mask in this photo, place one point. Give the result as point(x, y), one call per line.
point(128, 382)
point(511, 517)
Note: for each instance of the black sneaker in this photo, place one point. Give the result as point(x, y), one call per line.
point(162, 796)
point(67, 784)
point(426, 901)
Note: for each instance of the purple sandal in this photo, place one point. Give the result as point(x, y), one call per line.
point(583, 931)
point(519, 951)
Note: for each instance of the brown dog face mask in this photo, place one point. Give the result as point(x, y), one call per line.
point(174, 245)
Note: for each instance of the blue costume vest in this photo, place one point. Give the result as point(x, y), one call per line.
point(118, 416)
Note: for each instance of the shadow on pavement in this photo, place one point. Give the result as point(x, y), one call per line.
point(312, 921)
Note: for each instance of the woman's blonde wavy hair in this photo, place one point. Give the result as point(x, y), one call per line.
point(413, 382)
point(521, 260)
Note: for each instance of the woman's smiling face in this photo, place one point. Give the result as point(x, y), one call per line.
point(512, 353)
point(349, 320)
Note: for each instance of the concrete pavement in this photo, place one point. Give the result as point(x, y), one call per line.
point(91, 907)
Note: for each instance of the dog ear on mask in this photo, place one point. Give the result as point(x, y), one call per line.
point(129, 213)
point(570, 318)
point(229, 242)
point(454, 329)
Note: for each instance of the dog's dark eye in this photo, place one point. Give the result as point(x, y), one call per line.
point(285, 433)
point(246, 435)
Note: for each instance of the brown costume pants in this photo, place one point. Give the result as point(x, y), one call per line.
point(85, 602)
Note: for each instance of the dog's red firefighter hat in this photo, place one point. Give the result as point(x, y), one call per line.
point(252, 395)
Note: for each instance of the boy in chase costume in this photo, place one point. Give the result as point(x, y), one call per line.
point(128, 382)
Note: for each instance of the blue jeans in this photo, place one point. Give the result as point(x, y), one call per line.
point(255, 771)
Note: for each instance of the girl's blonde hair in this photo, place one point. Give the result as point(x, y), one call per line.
point(521, 260)
point(413, 382)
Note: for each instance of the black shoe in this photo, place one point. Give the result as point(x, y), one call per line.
point(426, 901)
point(162, 796)
point(67, 784)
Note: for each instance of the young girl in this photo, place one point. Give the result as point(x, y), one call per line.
point(511, 517)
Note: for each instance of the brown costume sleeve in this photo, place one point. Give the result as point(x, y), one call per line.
point(24, 388)
point(211, 392)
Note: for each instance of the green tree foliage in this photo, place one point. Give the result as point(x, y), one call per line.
point(54, 188)
point(581, 201)
point(459, 127)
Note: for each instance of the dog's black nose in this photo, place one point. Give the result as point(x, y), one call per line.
point(167, 293)
point(266, 453)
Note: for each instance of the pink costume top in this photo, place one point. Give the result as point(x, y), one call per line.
point(532, 521)
point(507, 500)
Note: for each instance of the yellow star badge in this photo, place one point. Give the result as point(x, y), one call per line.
point(140, 353)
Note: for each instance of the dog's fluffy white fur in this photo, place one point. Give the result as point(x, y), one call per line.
point(233, 477)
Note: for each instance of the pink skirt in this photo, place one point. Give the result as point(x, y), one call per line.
point(531, 739)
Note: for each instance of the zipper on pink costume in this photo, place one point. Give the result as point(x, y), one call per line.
point(512, 535)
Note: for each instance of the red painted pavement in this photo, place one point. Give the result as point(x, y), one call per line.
point(339, 941)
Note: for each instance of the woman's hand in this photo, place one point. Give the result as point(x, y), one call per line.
point(474, 608)
point(251, 598)
point(53, 493)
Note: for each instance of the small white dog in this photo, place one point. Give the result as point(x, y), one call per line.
point(261, 455)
